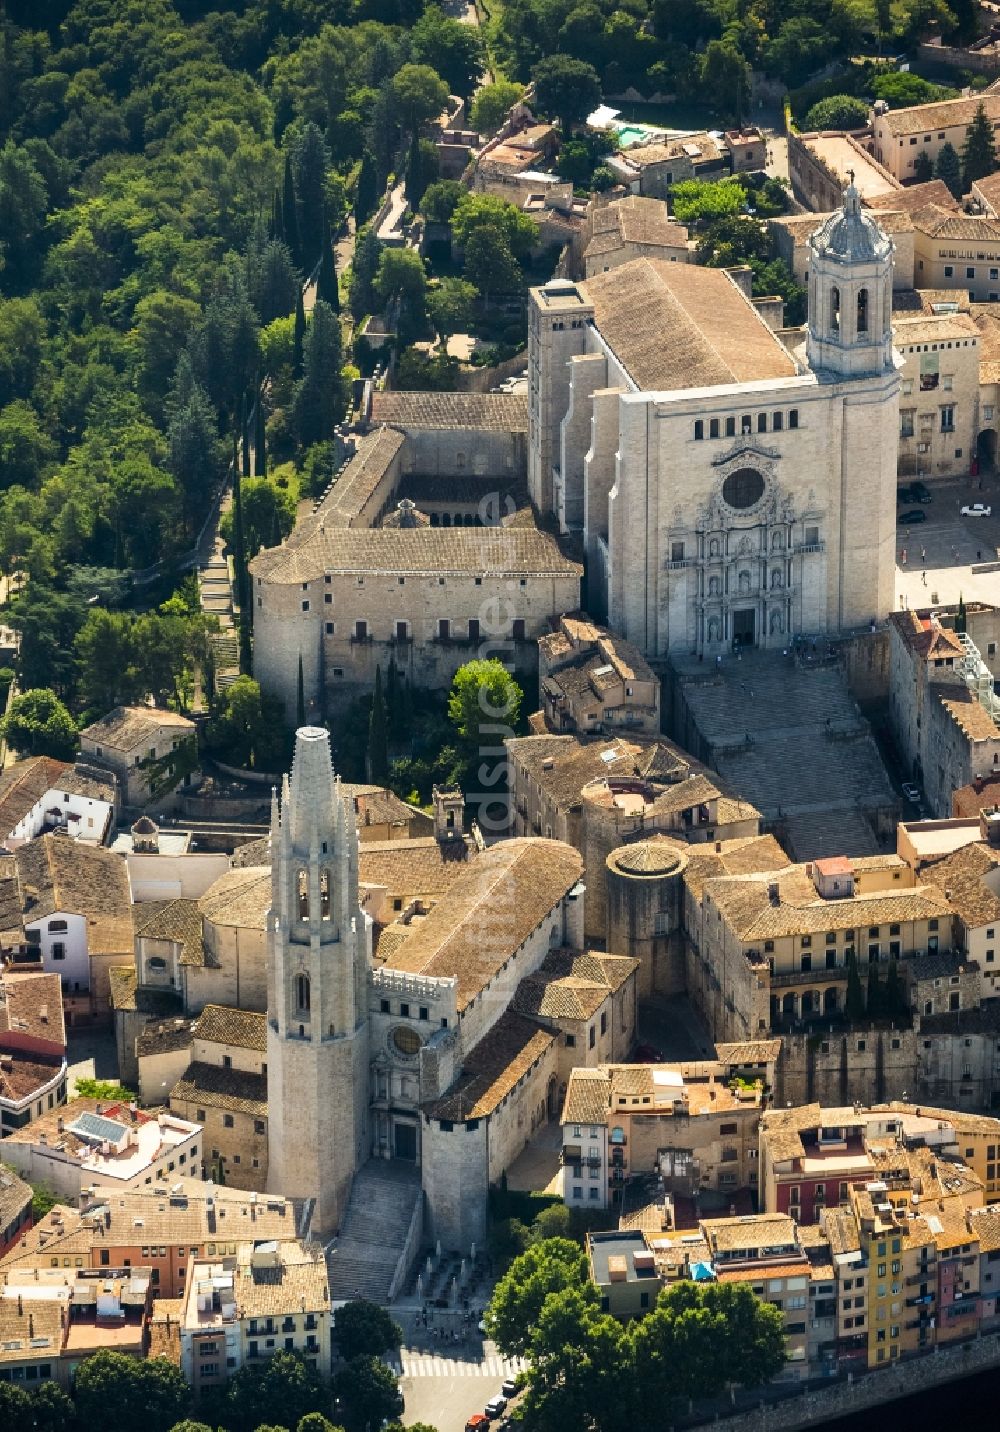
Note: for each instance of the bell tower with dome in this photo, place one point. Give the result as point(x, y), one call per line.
point(850, 294)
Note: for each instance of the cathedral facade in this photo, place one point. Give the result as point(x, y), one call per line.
point(733, 485)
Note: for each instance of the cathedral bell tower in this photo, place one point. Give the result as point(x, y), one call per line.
point(850, 294)
point(317, 989)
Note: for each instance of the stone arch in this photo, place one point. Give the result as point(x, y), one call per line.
point(830, 999)
point(862, 311)
point(834, 309)
point(302, 890)
point(788, 1006)
point(303, 993)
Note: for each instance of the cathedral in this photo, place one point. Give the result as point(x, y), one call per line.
point(432, 1036)
point(733, 482)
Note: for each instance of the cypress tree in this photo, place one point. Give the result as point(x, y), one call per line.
point(326, 283)
point(895, 999)
point(979, 154)
point(289, 214)
point(378, 736)
point(299, 340)
point(245, 438)
point(300, 697)
point(948, 168)
point(260, 436)
point(855, 1000)
point(961, 617)
point(276, 228)
point(240, 569)
point(366, 193)
point(875, 992)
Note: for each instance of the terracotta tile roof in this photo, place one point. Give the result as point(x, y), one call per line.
point(633, 220)
point(988, 188)
point(199, 1212)
point(58, 875)
point(942, 114)
point(927, 639)
point(239, 897)
point(31, 1329)
point(484, 412)
point(493, 1068)
point(221, 1024)
point(588, 1094)
point(744, 855)
point(747, 906)
point(841, 1228)
point(165, 1329)
point(967, 228)
point(968, 802)
point(176, 920)
point(985, 1226)
point(764, 1230)
point(801, 227)
point(409, 868)
point(32, 1004)
point(253, 852)
point(15, 1196)
point(914, 196)
point(569, 985)
point(492, 552)
point(562, 765)
point(962, 874)
point(358, 482)
point(934, 329)
point(756, 1271)
point(717, 336)
point(751, 1051)
point(128, 727)
point(489, 912)
point(24, 784)
point(971, 716)
point(298, 1284)
point(164, 1037)
point(207, 1085)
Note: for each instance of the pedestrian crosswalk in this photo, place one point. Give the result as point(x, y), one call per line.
point(412, 1363)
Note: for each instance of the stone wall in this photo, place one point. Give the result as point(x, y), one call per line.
point(945, 1364)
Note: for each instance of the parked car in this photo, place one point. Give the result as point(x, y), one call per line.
point(509, 1387)
point(911, 792)
point(976, 509)
point(907, 519)
point(477, 1422)
point(905, 494)
point(919, 492)
point(496, 1406)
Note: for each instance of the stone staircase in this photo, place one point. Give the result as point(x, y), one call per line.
point(791, 739)
point(364, 1258)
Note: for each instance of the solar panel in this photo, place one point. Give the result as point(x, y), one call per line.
point(94, 1126)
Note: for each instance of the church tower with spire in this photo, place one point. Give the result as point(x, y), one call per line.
point(850, 294)
point(317, 1014)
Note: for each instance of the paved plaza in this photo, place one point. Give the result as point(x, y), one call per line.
point(949, 555)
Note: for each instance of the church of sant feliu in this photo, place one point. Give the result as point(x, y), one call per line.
point(732, 484)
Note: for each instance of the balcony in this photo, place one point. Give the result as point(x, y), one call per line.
point(821, 976)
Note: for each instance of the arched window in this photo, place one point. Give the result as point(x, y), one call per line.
point(324, 894)
point(445, 519)
point(863, 310)
point(835, 310)
point(713, 427)
point(303, 890)
point(793, 418)
point(302, 994)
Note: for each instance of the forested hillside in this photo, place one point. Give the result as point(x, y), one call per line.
point(168, 172)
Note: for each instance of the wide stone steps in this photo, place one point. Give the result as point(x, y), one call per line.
point(367, 1252)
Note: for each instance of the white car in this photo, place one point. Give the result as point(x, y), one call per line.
point(976, 509)
point(496, 1406)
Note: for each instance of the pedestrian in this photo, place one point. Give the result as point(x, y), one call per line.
point(923, 554)
point(979, 554)
point(923, 578)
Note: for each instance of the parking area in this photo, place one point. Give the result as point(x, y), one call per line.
point(948, 555)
